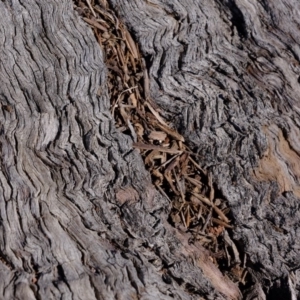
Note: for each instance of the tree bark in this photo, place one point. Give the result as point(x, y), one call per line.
point(229, 70)
point(80, 218)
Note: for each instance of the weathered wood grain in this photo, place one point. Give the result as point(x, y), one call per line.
point(229, 71)
point(80, 218)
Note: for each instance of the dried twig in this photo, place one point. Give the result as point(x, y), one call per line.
point(91, 8)
point(118, 99)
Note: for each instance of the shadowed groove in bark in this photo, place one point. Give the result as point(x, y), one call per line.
point(124, 69)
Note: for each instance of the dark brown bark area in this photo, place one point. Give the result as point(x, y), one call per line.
point(80, 218)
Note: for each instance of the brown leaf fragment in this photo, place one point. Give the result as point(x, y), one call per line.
point(184, 161)
point(194, 181)
point(120, 98)
point(134, 65)
point(183, 219)
point(222, 223)
point(121, 56)
point(188, 217)
point(235, 251)
point(169, 179)
point(139, 129)
point(156, 114)
point(106, 35)
point(100, 20)
point(180, 188)
point(103, 3)
point(157, 174)
point(221, 214)
point(175, 217)
point(171, 132)
point(197, 165)
point(203, 199)
point(130, 44)
point(91, 8)
point(133, 99)
point(208, 202)
point(131, 128)
point(146, 80)
point(157, 135)
point(154, 147)
point(168, 161)
point(196, 201)
point(172, 165)
point(151, 156)
point(211, 188)
point(95, 24)
point(123, 113)
point(174, 145)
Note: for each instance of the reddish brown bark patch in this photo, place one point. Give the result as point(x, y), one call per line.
point(280, 163)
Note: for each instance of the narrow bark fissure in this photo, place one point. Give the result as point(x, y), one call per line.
point(127, 97)
point(267, 99)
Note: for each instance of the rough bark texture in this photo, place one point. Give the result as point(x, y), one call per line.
point(230, 71)
point(80, 218)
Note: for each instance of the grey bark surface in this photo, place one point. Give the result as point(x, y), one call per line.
point(79, 216)
point(229, 71)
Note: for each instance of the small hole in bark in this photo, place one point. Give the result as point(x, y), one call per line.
point(238, 20)
point(126, 243)
point(148, 61)
point(179, 281)
point(61, 273)
point(192, 289)
point(279, 290)
point(125, 181)
point(287, 194)
point(166, 278)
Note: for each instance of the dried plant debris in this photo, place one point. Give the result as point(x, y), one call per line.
point(196, 208)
